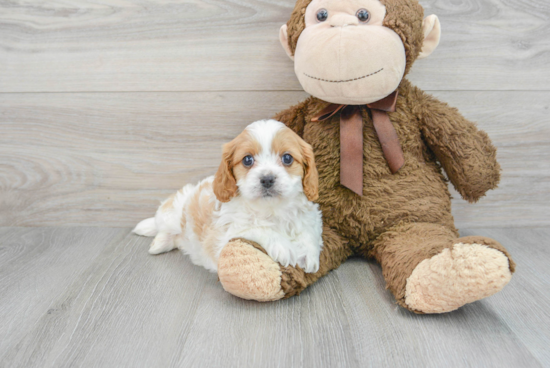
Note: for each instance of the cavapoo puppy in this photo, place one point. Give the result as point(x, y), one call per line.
point(261, 192)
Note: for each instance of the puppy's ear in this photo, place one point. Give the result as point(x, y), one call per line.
point(311, 177)
point(225, 185)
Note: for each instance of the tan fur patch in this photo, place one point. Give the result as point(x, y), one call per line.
point(168, 203)
point(231, 168)
point(245, 144)
point(457, 276)
point(200, 208)
point(295, 169)
point(240, 172)
point(286, 141)
point(183, 221)
point(210, 242)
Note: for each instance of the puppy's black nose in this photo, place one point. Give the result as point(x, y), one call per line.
point(267, 181)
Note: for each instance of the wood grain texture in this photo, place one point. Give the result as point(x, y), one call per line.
point(310, 331)
point(221, 45)
point(474, 336)
point(36, 266)
point(94, 297)
point(524, 316)
point(107, 159)
point(127, 309)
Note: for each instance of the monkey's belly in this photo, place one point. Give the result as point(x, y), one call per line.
point(418, 193)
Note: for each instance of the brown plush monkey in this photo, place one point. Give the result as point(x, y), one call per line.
point(380, 146)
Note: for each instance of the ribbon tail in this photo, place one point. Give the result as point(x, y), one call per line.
point(388, 139)
point(328, 112)
point(351, 150)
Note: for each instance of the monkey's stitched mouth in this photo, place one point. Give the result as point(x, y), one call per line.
point(343, 81)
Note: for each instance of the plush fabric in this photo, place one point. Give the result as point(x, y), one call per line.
point(456, 276)
point(249, 273)
point(403, 220)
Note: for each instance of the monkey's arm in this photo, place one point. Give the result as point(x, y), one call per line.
point(294, 117)
point(465, 152)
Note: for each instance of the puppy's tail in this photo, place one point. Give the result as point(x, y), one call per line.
point(146, 227)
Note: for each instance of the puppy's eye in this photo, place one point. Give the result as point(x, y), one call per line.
point(363, 15)
point(248, 161)
point(287, 159)
point(322, 15)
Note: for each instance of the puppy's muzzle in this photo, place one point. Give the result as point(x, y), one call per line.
point(267, 181)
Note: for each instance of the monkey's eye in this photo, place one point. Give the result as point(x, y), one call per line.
point(322, 15)
point(363, 15)
point(248, 161)
point(287, 159)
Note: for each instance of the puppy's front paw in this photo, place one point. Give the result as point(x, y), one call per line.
point(309, 262)
point(281, 251)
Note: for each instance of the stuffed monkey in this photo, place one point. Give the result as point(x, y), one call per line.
point(381, 146)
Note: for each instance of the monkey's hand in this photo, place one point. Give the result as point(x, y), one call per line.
point(465, 152)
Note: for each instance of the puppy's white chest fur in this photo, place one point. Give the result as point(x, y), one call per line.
point(288, 229)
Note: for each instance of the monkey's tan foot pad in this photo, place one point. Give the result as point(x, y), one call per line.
point(456, 276)
point(248, 273)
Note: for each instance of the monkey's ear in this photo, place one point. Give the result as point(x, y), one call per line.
point(432, 33)
point(283, 37)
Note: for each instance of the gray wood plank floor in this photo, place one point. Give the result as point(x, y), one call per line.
point(94, 297)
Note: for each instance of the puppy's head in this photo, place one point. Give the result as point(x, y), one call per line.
point(267, 161)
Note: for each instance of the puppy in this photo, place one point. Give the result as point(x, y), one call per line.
point(261, 192)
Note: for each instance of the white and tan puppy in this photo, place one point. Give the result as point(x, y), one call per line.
point(261, 192)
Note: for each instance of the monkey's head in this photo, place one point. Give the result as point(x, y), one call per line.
point(356, 51)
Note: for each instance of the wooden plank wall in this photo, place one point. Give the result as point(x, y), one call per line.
point(107, 107)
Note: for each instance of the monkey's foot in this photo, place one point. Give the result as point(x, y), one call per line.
point(248, 273)
point(459, 275)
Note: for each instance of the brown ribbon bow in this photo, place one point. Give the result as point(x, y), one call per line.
point(351, 138)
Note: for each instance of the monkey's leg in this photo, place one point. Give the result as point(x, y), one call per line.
point(429, 270)
point(245, 270)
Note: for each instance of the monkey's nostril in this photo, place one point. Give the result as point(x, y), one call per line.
point(267, 181)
